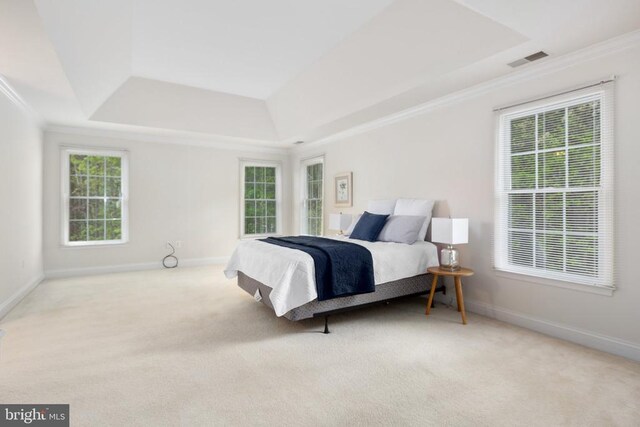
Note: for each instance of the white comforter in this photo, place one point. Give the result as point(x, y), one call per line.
point(290, 273)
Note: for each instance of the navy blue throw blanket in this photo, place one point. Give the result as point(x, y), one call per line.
point(342, 268)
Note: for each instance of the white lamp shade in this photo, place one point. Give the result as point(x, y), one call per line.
point(452, 231)
point(339, 221)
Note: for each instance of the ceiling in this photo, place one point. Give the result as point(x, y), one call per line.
point(244, 47)
point(273, 72)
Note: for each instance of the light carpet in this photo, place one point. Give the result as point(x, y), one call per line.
point(188, 347)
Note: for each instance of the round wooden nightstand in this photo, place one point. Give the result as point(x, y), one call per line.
point(456, 274)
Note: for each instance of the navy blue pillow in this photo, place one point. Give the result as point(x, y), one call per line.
point(368, 227)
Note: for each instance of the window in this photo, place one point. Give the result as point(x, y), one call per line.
point(312, 196)
point(555, 189)
point(94, 197)
point(260, 208)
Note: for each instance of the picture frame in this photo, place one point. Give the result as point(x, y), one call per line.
point(343, 189)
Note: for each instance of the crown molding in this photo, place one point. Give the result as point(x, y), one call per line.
point(531, 71)
point(10, 93)
point(170, 137)
point(142, 134)
point(535, 70)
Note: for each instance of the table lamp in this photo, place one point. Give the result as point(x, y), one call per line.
point(339, 221)
point(451, 231)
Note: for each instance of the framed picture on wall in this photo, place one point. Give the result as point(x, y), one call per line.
point(343, 190)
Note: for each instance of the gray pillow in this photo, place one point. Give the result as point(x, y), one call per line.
point(402, 229)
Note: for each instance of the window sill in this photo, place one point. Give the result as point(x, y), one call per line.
point(259, 236)
point(92, 245)
point(598, 290)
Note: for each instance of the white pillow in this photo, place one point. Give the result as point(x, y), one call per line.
point(353, 225)
point(381, 207)
point(419, 207)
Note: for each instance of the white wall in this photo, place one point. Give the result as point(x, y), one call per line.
point(177, 192)
point(21, 203)
point(448, 154)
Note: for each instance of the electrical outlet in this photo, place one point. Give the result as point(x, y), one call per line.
point(178, 243)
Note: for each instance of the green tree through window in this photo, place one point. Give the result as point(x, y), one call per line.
point(95, 198)
point(555, 158)
point(260, 200)
point(551, 191)
point(314, 198)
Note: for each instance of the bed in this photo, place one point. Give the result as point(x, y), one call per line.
point(283, 278)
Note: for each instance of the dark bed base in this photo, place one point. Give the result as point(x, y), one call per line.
point(326, 314)
point(385, 293)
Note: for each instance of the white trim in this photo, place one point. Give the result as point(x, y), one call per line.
point(603, 283)
point(174, 137)
point(304, 163)
point(17, 100)
point(598, 290)
point(199, 262)
point(123, 268)
point(19, 295)
point(93, 245)
point(531, 71)
point(243, 162)
point(65, 152)
point(522, 107)
point(589, 339)
point(136, 133)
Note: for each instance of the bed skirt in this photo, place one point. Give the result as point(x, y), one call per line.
point(384, 291)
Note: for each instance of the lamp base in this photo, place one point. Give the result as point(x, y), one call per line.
point(449, 258)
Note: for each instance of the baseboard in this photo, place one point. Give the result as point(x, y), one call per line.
point(7, 306)
point(123, 268)
point(588, 339)
point(197, 262)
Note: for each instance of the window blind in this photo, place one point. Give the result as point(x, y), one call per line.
point(554, 188)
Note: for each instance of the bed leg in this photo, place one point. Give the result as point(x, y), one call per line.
point(326, 325)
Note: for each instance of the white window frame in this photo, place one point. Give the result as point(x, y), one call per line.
point(304, 163)
point(604, 284)
point(65, 194)
point(261, 163)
